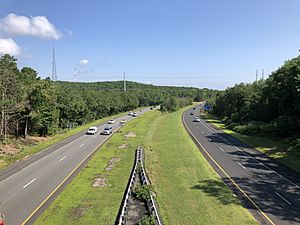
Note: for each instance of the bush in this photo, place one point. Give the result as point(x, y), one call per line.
point(143, 192)
point(148, 220)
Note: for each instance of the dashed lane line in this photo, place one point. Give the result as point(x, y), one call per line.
point(26, 185)
point(283, 198)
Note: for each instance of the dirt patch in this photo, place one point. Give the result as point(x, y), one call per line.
point(122, 146)
point(130, 134)
point(111, 163)
point(10, 149)
point(80, 211)
point(100, 182)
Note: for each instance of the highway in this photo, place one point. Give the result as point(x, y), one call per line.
point(271, 197)
point(25, 189)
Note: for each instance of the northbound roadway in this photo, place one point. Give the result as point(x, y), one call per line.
point(24, 191)
point(269, 195)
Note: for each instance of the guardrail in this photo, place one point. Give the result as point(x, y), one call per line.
point(122, 216)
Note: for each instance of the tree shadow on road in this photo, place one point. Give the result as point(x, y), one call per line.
point(219, 190)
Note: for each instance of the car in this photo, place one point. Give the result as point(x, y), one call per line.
point(191, 113)
point(111, 121)
point(130, 113)
point(92, 130)
point(134, 114)
point(194, 108)
point(123, 121)
point(107, 130)
point(196, 119)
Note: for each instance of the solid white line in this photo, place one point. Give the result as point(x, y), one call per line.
point(221, 149)
point(63, 158)
point(81, 145)
point(283, 198)
point(29, 183)
point(242, 166)
point(209, 139)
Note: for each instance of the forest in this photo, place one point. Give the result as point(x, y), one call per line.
point(268, 107)
point(39, 107)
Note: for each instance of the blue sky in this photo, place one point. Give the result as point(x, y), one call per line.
point(211, 43)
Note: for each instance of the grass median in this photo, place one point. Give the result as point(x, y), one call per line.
point(279, 149)
point(188, 189)
point(80, 202)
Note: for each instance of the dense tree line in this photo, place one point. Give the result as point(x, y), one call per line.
point(33, 106)
point(266, 107)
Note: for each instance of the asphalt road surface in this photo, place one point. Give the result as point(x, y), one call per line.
point(30, 185)
point(272, 197)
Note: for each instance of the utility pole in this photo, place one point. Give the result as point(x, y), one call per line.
point(262, 74)
point(256, 75)
point(124, 81)
point(54, 75)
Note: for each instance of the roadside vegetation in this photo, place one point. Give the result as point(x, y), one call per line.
point(266, 113)
point(23, 148)
point(187, 188)
point(32, 108)
point(281, 149)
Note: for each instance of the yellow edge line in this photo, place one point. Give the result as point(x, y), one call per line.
point(67, 177)
point(240, 189)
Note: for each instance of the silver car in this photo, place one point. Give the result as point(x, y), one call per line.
point(107, 130)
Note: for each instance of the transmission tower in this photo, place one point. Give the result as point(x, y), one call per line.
point(54, 75)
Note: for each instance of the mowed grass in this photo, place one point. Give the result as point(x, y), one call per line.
point(189, 192)
point(80, 203)
point(278, 149)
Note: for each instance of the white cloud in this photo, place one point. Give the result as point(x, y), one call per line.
point(83, 61)
point(8, 46)
point(38, 26)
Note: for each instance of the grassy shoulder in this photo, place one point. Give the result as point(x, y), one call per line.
point(27, 150)
point(278, 149)
point(80, 202)
point(188, 189)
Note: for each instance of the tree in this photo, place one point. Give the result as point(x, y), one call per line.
point(9, 92)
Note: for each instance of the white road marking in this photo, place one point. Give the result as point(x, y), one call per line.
point(242, 166)
point(29, 183)
point(283, 198)
point(221, 149)
point(209, 139)
point(237, 148)
point(81, 145)
point(202, 132)
point(63, 158)
point(253, 157)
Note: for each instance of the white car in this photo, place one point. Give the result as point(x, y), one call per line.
point(130, 113)
point(134, 115)
point(92, 130)
point(111, 121)
point(196, 119)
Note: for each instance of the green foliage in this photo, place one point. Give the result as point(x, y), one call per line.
point(30, 105)
point(271, 106)
point(143, 192)
point(148, 220)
